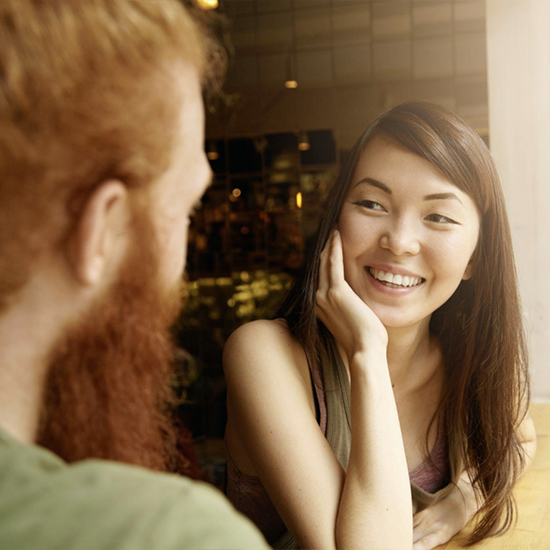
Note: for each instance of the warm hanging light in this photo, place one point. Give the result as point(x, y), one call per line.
point(212, 150)
point(299, 199)
point(291, 83)
point(207, 4)
point(303, 141)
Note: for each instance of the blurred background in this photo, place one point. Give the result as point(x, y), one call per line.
point(305, 79)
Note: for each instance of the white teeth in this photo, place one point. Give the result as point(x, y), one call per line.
point(398, 280)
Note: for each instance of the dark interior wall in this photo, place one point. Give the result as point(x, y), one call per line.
point(352, 60)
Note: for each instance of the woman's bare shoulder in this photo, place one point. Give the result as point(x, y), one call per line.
point(259, 344)
point(264, 328)
point(260, 335)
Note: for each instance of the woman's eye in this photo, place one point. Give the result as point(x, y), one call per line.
point(438, 218)
point(370, 205)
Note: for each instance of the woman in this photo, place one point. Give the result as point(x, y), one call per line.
point(396, 366)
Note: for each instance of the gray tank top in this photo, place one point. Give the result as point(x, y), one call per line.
point(332, 389)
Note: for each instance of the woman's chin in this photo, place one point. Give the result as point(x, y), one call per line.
point(394, 320)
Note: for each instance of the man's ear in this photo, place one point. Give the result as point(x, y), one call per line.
point(92, 243)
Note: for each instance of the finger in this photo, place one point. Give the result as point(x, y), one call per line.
point(336, 266)
point(419, 532)
point(326, 248)
point(324, 273)
point(323, 282)
point(428, 542)
point(419, 518)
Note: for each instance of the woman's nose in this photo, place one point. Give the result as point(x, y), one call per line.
point(401, 239)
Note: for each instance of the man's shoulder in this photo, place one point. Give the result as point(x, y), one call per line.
point(185, 513)
point(99, 504)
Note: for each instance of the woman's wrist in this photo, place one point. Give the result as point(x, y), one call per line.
point(369, 346)
point(369, 361)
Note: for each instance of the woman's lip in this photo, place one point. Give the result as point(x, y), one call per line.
point(396, 270)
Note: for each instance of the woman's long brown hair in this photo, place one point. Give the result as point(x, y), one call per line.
point(480, 327)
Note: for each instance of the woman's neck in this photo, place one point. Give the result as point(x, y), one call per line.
point(413, 356)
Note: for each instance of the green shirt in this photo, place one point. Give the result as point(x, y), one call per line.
point(46, 503)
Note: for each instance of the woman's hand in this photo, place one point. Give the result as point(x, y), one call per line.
point(349, 319)
point(437, 524)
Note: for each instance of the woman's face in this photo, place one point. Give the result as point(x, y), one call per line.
point(408, 234)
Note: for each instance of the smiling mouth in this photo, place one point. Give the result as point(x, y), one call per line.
point(394, 280)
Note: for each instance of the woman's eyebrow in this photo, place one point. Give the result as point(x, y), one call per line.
point(442, 196)
point(374, 183)
point(386, 189)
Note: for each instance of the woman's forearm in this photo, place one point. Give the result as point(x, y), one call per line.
point(376, 507)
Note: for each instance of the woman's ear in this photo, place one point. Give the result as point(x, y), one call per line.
point(92, 245)
point(468, 272)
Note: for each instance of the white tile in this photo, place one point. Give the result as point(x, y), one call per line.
point(312, 28)
point(307, 4)
point(243, 32)
point(243, 73)
point(391, 19)
point(355, 107)
point(275, 30)
point(470, 53)
point(352, 63)
point(347, 136)
point(390, 94)
point(315, 109)
point(346, 2)
point(469, 15)
point(279, 116)
point(392, 59)
point(472, 91)
point(265, 6)
point(434, 89)
point(431, 18)
point(314, 68)
point(468, 10)
point(351, 24)
point(433, 57)
point(236, 7)
point(448, 101)
point(273, 70)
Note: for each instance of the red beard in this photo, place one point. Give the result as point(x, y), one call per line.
point(107, 393)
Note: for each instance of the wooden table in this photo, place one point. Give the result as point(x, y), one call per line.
point(532, 531)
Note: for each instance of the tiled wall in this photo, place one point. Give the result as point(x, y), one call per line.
point(352, 59)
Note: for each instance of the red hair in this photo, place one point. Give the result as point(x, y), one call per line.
point(87, 92)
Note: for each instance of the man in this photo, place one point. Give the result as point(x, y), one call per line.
point(101, 163)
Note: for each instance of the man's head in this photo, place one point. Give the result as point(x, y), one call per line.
point(101, 156)
point(91, 91)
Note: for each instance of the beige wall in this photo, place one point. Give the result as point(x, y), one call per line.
point(518, 49)
point(353, 59)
